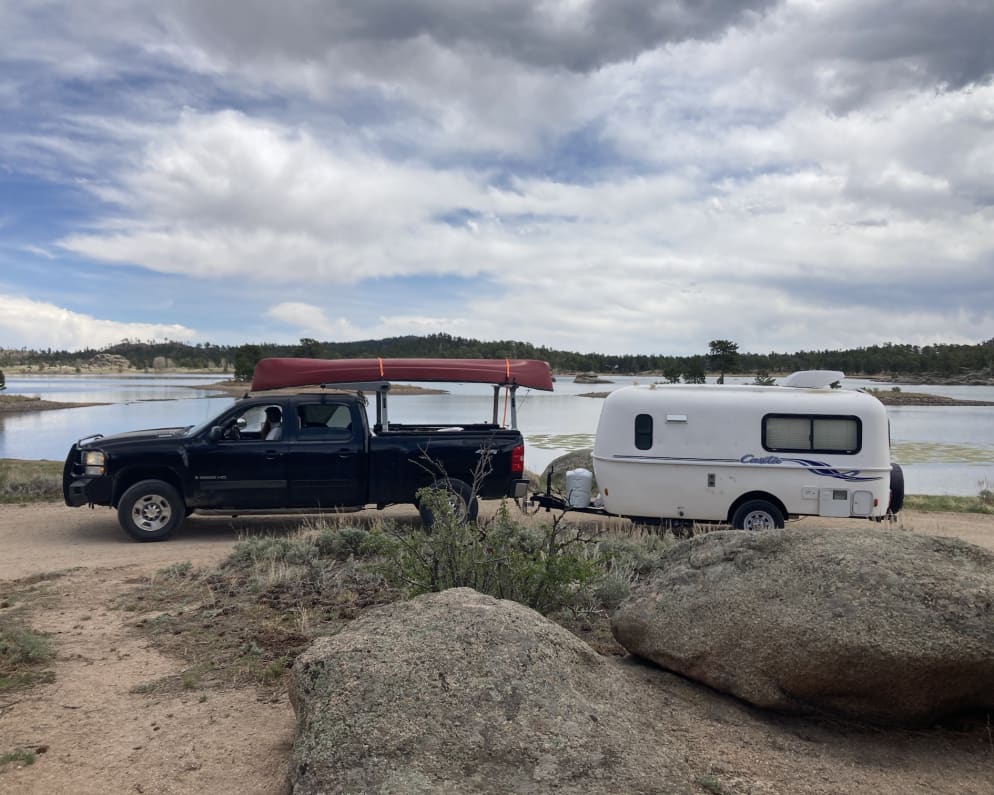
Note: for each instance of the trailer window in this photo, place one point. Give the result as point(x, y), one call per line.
point(643, 431)
point(803, 433)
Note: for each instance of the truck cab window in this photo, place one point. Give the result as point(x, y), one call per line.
point(246, 425)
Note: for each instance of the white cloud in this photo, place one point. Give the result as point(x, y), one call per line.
point(312, 321)
point(224, 194)
point(308, 320)
point(598, 175)
point(36, 324)
point(629, 262)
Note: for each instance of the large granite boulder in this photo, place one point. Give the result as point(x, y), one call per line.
point(871, 624)
point(462, 693)
point(575, 459)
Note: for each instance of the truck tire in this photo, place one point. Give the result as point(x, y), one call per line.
point(757, 515)
point(150, 510)
point(460, 496)
point(896, 489)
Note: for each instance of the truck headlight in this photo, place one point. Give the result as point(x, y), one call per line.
point(93, 462)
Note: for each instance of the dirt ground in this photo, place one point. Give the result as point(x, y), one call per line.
point(94, 731)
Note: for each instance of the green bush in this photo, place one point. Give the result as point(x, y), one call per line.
point(351, 542)
point(21, 757)
point(295, 551)
point(22, 653)
point(548, 569)
point(638, 557)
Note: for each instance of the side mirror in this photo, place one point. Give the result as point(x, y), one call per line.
point(215, 433)
point(241, 422)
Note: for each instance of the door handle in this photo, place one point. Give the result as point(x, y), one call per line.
point(272, 455)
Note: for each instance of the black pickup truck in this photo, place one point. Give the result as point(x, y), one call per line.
point(326, 459)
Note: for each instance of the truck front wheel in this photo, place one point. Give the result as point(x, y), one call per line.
point(757, 515)
point(460, 498)
point(150, 510)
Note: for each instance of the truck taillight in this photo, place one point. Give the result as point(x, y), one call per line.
point(518, 460)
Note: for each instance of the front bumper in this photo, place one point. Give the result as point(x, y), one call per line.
point(87, 491)
point(76, 493)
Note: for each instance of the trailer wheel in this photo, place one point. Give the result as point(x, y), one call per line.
point(757, 515)
point(460, 497)
point(150, 510)
point(896, 489)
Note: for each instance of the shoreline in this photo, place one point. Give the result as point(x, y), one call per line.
point(24, 404)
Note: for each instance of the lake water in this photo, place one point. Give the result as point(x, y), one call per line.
point(944, 450)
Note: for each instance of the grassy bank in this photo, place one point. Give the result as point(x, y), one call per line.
point(982, 503)
point(30, 481)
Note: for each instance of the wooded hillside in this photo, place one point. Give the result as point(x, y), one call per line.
point(940, 359)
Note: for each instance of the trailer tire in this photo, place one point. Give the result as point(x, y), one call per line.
point(757, 515)
point(150, 510)
point(896, 489)
point(465, 506)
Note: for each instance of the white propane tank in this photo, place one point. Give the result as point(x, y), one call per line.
point(578, 485)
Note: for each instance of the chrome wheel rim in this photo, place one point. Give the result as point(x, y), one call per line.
point(758, 520)
point(151, 513)
point(458, 506)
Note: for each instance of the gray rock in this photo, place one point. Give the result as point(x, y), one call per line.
point(876, 625)
point(575, 459)
point(462, 693)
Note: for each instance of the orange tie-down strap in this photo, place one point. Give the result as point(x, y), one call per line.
point(380, 360)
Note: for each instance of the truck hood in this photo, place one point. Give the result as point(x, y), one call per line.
point(121, 439)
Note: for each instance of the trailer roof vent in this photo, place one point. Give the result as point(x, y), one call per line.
point(813, 379)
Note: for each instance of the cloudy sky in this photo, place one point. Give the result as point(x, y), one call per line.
point(595, 175)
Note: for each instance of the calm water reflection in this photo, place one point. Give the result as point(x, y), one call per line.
point(944, 450)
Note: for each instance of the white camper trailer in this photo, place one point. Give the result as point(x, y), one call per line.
point(752, 456)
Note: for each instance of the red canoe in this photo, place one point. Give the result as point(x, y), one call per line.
point(279, 373)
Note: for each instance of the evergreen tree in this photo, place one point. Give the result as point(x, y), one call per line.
point(723, 355)
point(245, 360)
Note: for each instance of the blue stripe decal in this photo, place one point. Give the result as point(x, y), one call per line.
point(821, 468)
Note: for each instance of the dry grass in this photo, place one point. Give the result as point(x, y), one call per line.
point(30, 481)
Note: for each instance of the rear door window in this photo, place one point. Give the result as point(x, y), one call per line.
point(325, 421)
